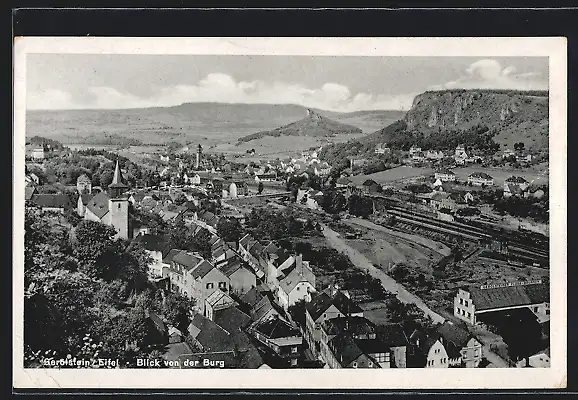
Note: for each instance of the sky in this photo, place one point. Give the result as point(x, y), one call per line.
point(346, 84)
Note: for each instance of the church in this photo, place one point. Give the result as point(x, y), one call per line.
point(110, 208)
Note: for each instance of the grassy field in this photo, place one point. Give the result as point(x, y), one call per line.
point(394, 174)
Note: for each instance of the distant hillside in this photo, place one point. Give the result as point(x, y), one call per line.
point(487, 119)
point(516, 116)
point(314, 124)
point(211, 123)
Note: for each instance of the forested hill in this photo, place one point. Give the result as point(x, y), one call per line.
point(313, 124)
point(484, 119)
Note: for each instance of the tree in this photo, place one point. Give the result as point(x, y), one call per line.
point(333, 202)
point(260, 188)
point(106, 178)
point(96, 250)
point(360, 206)
point(229, 229)
point(177, 310)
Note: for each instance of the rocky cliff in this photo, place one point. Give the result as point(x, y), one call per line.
point(516, 116)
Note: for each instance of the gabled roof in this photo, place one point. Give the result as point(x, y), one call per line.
point(209, 334)
point(98, 205)
point(168, 258)
point(51, 201)
point(509, 296)
point(516, 179)
point(85, 198)
point(29, 192)
point(369, 182)
point(83, 179)
point(454, 338)
point(187, 260)
point(232, 265)
point(345, 349)
point(252, 297)
point(352, 324)
point(276, 328)
point(202, 269)
point(392, 334)
point(297, 275)
point(480, 175)
point(439, 196)
point(322, 302)
point(231, 319)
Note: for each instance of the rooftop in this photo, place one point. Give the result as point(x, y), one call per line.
point(510, 296)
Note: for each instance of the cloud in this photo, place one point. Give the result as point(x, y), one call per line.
point(219, 87)
point(489, 74)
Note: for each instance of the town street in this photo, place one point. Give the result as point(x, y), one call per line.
point(387, 282)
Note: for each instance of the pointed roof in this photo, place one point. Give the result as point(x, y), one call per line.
point(117, 180)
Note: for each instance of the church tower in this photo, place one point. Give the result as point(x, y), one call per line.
point(118, 204)
point(199, 155)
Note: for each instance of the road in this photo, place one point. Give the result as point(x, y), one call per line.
point(387, 282)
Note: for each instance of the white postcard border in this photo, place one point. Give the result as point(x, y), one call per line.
point(513, 378)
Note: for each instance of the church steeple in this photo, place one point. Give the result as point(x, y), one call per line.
point(117, 187)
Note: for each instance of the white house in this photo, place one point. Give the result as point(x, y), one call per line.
point(445, 175)
point(297, 285)
point(480, 179)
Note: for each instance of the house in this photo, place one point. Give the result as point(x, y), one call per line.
point(462, 347)
point(323, 307)
point(231, 319)
point(32, 179)
point(40, 153)
point(381, 148)
point(393, 336)
point(445, 214)
point(441, 200)
point(241, 278)
point(297, 284)
point(51, 202)
point(468, 198)
point(216, 301)
point(536, 193)
point(460, 153)
point(540, 359)
point(196, 278)
point(428, 350)
point(470, 303)
point(516, 181)
point(84, 184)
point(284, 340)
point(414, 149)
point(480, 179)
point(155, 246)
point(508, 153)
point(29, 191)
point(434, 155)
point(312, 198)
point(445, 175)
point(137, 198)
point(513, 190)
point(342, 182)
point(370, 187)
point(352, 342)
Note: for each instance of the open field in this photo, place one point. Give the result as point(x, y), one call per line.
point(394, 174)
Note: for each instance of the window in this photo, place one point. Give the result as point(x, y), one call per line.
point(210, 285)
point(386, 357)
point(118, 206)
point(469, 315)
point(222, 285)
point(461, 301)
point(354, 364)
point(466, 303)
point(298, 288)
point(547, 311)
point(293, 349)
point(294, 362)
point(369, 364)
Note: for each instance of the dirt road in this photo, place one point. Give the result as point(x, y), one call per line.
point(387, 282)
